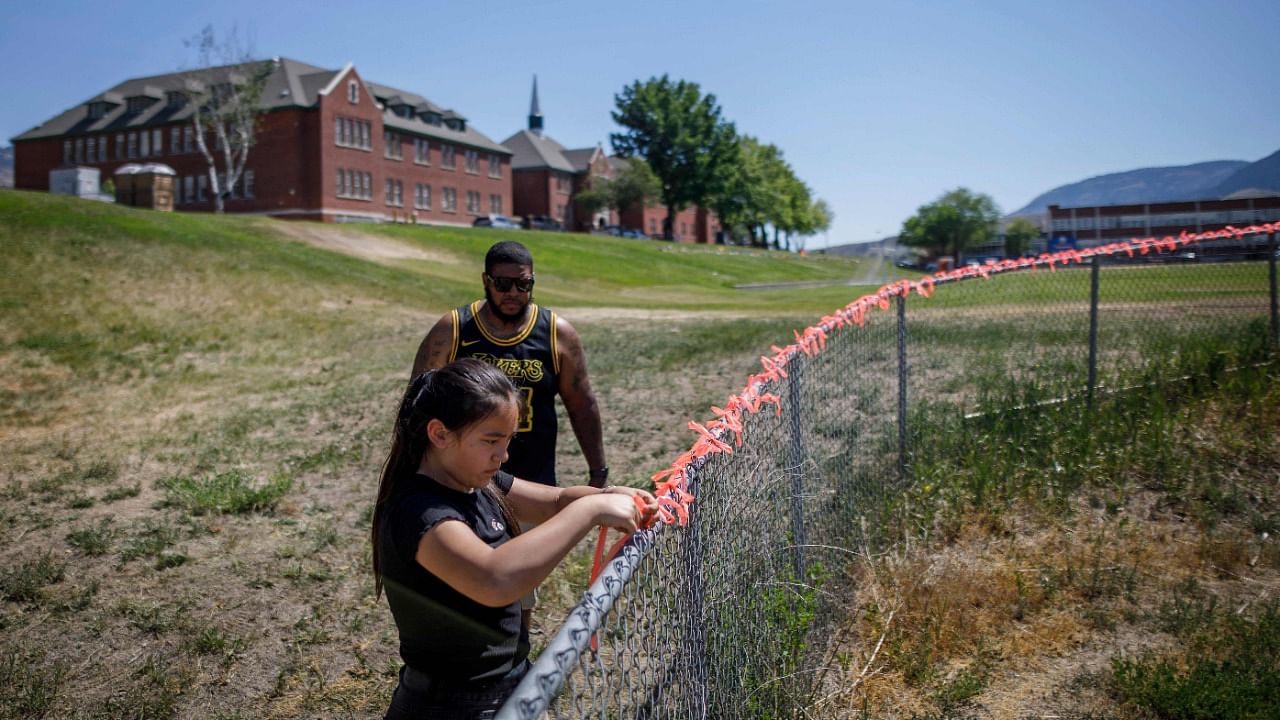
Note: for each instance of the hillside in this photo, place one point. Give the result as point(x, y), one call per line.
point(1261, 175)
point(1145, 185)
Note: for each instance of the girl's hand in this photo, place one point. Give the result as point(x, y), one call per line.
point(616, 510)
point(650, 502)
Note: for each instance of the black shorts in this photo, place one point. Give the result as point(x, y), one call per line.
point(419, 696)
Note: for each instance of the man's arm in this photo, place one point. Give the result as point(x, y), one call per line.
point(435, 348)
point(575, 391)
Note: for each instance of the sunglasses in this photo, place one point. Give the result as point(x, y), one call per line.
point(504, 284)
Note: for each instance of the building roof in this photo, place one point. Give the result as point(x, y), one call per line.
point(291, 84)
point(530, 151)
point(581, 158)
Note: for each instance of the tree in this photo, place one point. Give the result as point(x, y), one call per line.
point(225, 94)
point(1018, 236)
point(957, 220)
point(678, 131)
point(635, 184)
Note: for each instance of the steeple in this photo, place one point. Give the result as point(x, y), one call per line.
point(535, 114)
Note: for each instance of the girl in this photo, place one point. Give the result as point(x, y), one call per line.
point(446, 543)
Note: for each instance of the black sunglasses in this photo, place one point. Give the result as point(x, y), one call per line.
point(504, 284)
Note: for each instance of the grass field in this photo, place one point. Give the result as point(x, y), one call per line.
point(194, 410)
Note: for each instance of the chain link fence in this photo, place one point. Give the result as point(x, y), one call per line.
point(723, 614)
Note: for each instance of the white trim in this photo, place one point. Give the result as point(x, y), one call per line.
point(337, 78)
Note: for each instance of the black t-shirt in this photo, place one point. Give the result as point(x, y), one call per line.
point(531, 360)
point(442, 632)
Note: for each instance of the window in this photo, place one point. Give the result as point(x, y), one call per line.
point(472, 161)
point(145, 148)
point(188, 188)
point(133, 145)
point(395, 193)
point(449, 202)
point(422, 196)
point(120, 146)
point(97, 110)
point(202, 187)
point(495, 203)
point(188, 139)
point(175, 140)
point(560, 212)
point(247, 182)
point(340, 189)
point(137, 104)
point(91, 149)
point(348, 132)
point(353, 92)
point(447, 158)
point(564, 184)
point(391, 145)
point(653, 226)
point(175, 99)
point(421, 151)
point(102, 149)
point(495, 166)
point(473, 202)
point(157, 138)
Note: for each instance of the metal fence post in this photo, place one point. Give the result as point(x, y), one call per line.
point(795, 371)
point(695, 622)
point(1094, 272)
point(902, 385)
point(1271, 273)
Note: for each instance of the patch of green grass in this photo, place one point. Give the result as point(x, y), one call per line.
point(1232, 672)
point(28, 686)
point(121, 493)
point(225, 493)
point(95, 540)
point(26, 582)
point(149, 540)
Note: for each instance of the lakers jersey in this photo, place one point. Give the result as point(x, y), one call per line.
point(529, 358)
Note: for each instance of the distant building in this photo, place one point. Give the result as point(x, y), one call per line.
point(1083, 227)
point(331, 146)
point(547, 177)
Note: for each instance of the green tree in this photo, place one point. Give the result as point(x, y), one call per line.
point(957, 220)
point(679, 132)
point(1018, 236)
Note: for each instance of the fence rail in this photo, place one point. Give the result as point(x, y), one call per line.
point(716, 611)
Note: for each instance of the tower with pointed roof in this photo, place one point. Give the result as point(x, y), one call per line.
point(535, 113)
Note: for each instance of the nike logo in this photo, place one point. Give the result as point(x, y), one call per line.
point(466, 343)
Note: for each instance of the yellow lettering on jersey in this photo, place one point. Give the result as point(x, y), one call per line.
point(529, 370)
point(526, 421)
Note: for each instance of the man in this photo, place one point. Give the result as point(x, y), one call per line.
point(539, 351)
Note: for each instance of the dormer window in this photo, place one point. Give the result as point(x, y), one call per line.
point(452, 124)
point(434, 119)
point(137, 104)
point(174, 99)
point(97, 110)
point(353, 92)
point(404, 111)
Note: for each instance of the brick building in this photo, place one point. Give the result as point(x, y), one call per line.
point(547, 176)
point(1083, 227)
point(331, 146)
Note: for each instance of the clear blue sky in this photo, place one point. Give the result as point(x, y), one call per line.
point(880, 107)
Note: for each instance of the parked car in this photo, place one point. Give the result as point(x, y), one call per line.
point(496, 221)
point(541, 222)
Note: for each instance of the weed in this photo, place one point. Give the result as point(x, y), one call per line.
point(28, 687)
point(121, 493)
point(95, 540)
point(154, 537)
point(26, 583)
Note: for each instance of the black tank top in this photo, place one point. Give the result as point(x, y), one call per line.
point(529, 358)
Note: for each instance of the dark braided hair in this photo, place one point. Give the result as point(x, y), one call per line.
point(459, 395)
